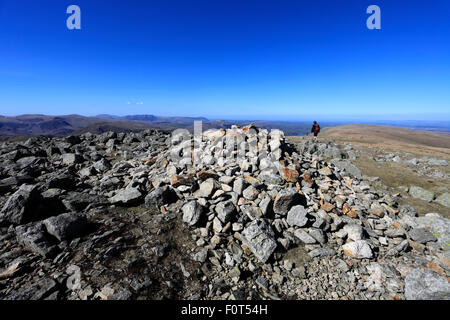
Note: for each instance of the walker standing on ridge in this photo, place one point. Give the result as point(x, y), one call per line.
point(315, 129)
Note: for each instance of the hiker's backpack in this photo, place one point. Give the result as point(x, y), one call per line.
point(317, 128)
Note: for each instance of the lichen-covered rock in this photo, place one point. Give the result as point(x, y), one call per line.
point(421, 235)
point(439, 228)
point(444, 199)
point(425, 284)
point(420, 193)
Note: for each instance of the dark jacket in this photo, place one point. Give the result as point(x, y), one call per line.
point(313, 129)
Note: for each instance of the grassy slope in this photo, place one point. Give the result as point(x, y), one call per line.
point(392, 139)
point(375, 139)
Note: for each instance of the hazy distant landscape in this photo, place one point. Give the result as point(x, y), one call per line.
point(25, 125)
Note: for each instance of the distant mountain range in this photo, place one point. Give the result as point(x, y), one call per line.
point(152, 118)
point(38, 124)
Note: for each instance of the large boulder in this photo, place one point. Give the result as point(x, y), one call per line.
point(34, 238)
point(207, 188)
point(425, 284)
point(192, 212)
point(286, 199)
point(21, 206)
point(161, 196)
point(66, 226)
point(259, 237)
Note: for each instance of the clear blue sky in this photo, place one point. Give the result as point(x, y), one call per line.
point(290, 60)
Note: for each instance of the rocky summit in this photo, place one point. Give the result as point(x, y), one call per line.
point(236, 213)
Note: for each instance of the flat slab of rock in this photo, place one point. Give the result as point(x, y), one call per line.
point(425, 284)
point(321, 252)
point(66, 226)
point(420, 193)
point(38, 290)
point(304, 236)
point(259, 237)
point(421, 235)
point(128, 196)
point(444, 199)
point(438, 226)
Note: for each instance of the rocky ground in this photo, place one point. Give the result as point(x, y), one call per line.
point(123, 216)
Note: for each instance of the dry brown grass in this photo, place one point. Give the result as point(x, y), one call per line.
point(380, 139)
point(394, 175)
point(392, 139)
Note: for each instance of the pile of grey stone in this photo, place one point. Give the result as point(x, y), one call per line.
point(260, 218)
